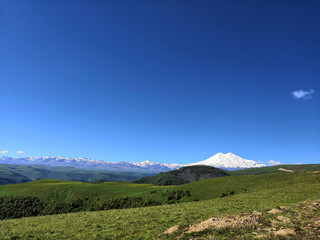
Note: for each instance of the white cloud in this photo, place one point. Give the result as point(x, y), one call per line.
point(302, 94)
point(19, 152)
point(4, 151)
point(298, 163)
point(272, 162)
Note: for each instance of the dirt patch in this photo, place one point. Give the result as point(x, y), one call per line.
point(285, 231)
point(285, 170)
point(224, 222)
point(172, 230)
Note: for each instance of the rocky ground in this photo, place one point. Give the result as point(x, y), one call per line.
point(299, 221)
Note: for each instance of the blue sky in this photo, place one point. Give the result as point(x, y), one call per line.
point(167, 81)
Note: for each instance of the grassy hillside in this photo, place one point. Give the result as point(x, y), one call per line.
point(10, 173)
point(263, 192)
point(183, 175)
point(275, 169)
point(64, 191)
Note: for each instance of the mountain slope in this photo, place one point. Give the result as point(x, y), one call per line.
point(10, 173)
point(275, 169)
point(183, 175)
point(228, 161)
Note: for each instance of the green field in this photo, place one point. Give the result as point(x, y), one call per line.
point(253, 192)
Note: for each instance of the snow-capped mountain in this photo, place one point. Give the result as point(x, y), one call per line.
point(92, 164)
point(228, 161)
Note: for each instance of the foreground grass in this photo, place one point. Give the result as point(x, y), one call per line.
point(148, 223)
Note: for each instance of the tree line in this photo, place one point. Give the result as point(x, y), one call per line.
point(25, 206)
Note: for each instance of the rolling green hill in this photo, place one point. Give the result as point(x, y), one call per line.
point(10, 173)
point(254, 192)
point(64, 191)
point(275, 169)
point(183, 175)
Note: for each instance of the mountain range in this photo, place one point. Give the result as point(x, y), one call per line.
point(227, 161)
point(85, 163)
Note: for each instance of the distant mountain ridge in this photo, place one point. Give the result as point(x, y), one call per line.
point(227, 161)
point(14, 173)
point(86, 163)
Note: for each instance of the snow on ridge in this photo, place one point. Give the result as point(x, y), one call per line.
point(89, 163)
point(148, 163)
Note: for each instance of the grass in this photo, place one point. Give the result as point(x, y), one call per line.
point(264, 191)
point(57, 190)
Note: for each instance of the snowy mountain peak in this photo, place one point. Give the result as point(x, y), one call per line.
point(228, 161)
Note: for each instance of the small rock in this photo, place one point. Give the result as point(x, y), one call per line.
point(275, 211)
point(283, 208)
point(256, 213)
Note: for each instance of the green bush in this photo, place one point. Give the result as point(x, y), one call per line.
point(21, 206)
point(119, 203)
